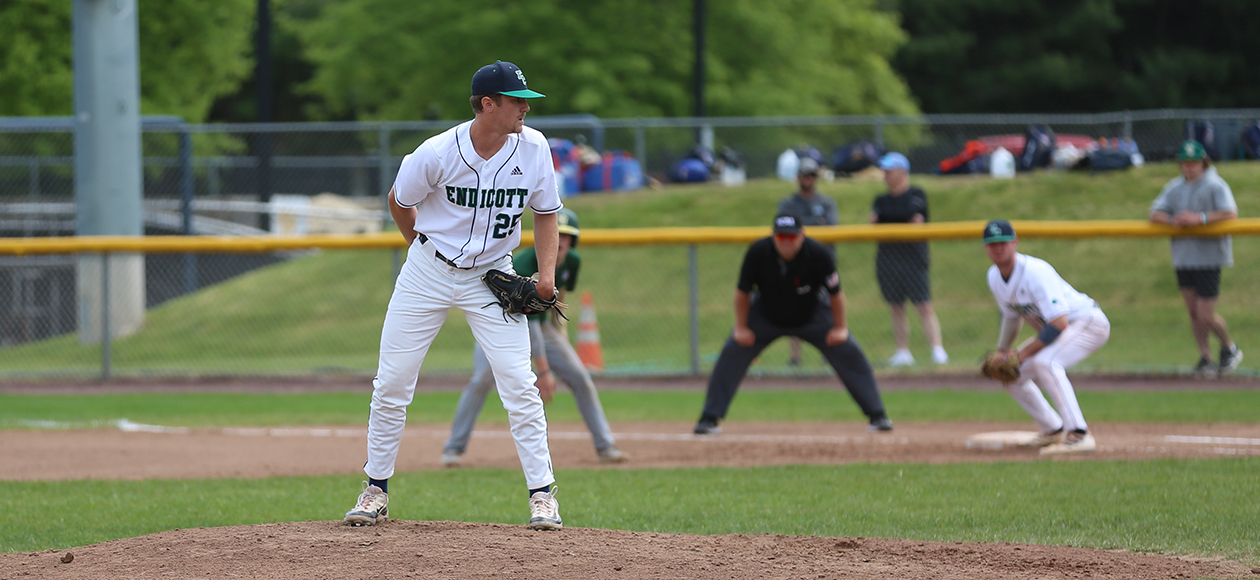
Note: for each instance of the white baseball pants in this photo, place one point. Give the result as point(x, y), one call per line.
point(1048, 369)
point(426, 290)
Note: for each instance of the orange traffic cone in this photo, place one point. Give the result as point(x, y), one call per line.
point(588, 347)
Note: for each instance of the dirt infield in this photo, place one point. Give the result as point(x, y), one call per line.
point(402, 549)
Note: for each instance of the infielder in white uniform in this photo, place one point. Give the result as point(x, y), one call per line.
point(1070, 328)
point(458, 200)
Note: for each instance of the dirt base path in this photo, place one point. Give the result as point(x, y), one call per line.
point(137, 452)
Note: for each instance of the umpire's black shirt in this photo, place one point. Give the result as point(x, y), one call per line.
point(789, 290)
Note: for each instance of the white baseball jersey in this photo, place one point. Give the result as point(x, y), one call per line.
point(470, 207)
point(1037, 293)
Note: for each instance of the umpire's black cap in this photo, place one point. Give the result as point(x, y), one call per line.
point(998, 231)
point(786, 223)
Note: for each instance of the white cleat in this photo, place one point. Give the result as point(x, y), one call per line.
point(939, 356)
point(901, 358)
point(611, 454)
point(452, 459)
point(1073, 443)
point(371, 509)
point(544, 511)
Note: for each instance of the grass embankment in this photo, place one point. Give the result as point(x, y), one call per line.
point(322, 313)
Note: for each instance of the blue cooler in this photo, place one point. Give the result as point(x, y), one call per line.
point(568, 170)
point(615, 172)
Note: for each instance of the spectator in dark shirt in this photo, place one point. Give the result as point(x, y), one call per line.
point(902, 267)
point(778, 295)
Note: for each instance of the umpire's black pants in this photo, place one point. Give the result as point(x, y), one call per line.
point(847, 359)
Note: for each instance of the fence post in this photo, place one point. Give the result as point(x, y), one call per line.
point(640, 144)
point(106, 355)
point(382, 161)
point(186, 191)
point(1128, 125)
point(879, 131)
point(693, 283)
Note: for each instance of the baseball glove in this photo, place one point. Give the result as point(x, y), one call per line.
point(1001, 366)
point(517, 294)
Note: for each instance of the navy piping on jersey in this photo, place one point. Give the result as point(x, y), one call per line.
point(516, 143)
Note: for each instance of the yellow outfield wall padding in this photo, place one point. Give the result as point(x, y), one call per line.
point(623, 237)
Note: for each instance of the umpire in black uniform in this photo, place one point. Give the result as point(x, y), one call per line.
point(778, 295)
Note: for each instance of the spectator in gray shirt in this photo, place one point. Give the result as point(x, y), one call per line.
point(811, 209)
point(1200, 197)
point(809, 206)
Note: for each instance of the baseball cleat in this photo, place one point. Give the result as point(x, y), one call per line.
point(1073, 443)
point(1230, 358)
point(901, 358)
point(544, 511)
point(452, 458)
point(881, 424)
point(611, 454)
point(371, 509)
point(1044, 440)
point(707, 426)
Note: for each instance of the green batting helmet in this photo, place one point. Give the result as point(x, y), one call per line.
point(568, 224)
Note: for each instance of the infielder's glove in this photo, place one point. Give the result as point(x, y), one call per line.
point(1001, 366)
point(517, 294)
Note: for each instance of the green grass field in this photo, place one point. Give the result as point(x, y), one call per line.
point(829, 404)
point(321, 313)
point(1204, 507)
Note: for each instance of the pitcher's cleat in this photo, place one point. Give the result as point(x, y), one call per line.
point(371, 509)
point(544, 511)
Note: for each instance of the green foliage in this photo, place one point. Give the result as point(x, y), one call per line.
point(1039, 56)
point(609, 58)
point(191, 52)
point(35, 58)
point(1202, 507)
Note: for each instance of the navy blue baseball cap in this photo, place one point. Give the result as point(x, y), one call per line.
point(998, 231)
point(502, 78)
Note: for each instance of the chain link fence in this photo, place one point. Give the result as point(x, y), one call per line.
point(660, 309)
point(312, 178)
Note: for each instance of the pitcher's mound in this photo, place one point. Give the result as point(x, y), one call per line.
point(1001, 439)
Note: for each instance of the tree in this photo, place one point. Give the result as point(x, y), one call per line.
point(400, 59)
point(191, 52)
point(1078, 55)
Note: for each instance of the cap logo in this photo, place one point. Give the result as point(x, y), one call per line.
point(785, 221)
point(1189, 149)
point(521, 75)
point(995, 230)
